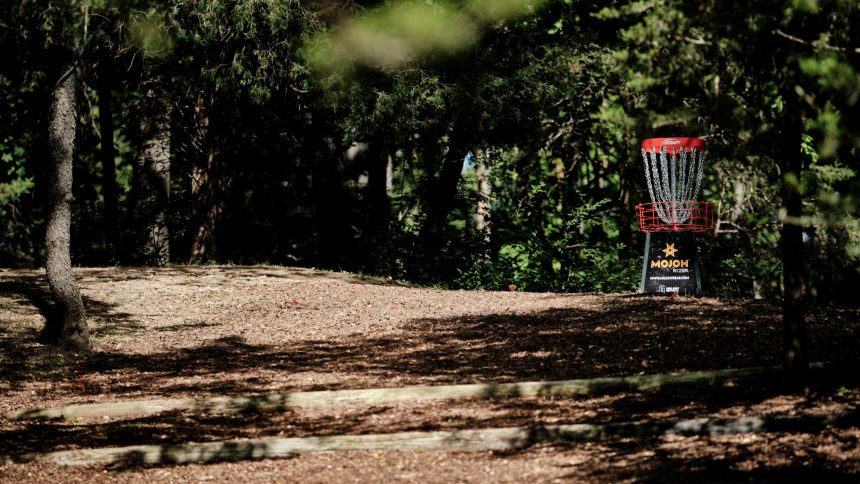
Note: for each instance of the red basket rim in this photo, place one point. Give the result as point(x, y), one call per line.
point(674, 143)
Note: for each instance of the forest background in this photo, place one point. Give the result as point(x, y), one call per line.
point(467, 144)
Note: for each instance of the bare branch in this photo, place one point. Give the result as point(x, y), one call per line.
point(13, 29)
point(66, 74)
point(691, 40)
point(822, 45)
point(667, 122)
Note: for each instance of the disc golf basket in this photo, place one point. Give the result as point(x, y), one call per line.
point(673, 172)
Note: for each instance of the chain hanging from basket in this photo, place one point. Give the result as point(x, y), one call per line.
point(673, 172)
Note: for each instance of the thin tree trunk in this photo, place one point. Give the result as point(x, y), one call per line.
point(106, 155)
point(69, 329)
point(482, 174)
point(332, 204)
point(379, 204)
point(795, 337)
point(625, 199)
point(153, 172)
point(443, 192)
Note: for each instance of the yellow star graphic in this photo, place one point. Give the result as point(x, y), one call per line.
point(670, 250)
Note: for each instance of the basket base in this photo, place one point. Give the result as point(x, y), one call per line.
point(671, 264)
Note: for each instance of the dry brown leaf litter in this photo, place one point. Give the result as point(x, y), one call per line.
point(177, 332)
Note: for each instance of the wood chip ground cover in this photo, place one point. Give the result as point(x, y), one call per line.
point(207, 331)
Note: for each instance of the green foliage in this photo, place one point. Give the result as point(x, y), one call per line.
point(400, 32)
point(149, 32)
point(241, 45)
point(550, 247)
point(691, 68)
point(20, 144)
point(15, 184)
point(266, 97)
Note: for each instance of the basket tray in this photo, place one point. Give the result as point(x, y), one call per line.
point(675, 216)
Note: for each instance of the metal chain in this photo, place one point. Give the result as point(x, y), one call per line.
point(656, 190)
point(698, 173)
point(684, 181)
point(664, 178)
point(682, 172)
point(648, 174)
point(673, 175)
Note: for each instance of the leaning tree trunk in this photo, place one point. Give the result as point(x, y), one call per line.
point(69, 328)
point(153, 172)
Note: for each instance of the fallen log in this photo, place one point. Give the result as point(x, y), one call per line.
point(376, 396)
point(497, 439)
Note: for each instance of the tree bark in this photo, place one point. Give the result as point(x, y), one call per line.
point(208, 188)
point(795, 337)
point(209, 184)
point(106, 156)
point(69, 328)
point(152, 175)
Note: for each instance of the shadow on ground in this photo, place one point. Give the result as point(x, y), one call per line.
point(775, 457)
point(22, 356)
point(662, 408)
point(626, 336)
point(623, 337)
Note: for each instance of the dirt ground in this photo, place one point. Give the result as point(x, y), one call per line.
point(201, 331)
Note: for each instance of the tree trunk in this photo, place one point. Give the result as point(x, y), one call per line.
point(795, 337)
point(106, 156)
point(209, 185)
point(443, 192)
point(625, 199)
point(153, 172)
point(208, 188)
point(335, 243)
point(69, 328)
point(482, 174)
point(378, 183)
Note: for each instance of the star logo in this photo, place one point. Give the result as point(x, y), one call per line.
point(670, 250)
